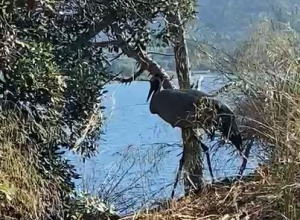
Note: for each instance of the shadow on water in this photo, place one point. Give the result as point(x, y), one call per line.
point(139, 153)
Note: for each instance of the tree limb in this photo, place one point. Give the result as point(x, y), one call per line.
point(146, 62)
point(162, 54)
point(132, 78)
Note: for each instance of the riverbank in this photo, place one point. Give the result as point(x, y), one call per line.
point(259, 196)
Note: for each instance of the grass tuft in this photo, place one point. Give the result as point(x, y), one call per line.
point(24, 193)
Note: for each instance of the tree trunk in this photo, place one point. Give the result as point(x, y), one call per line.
point(193, 166)
point(193, 161)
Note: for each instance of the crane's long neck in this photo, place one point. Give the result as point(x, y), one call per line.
point(155, 86)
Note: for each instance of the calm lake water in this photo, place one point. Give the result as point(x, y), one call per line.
point(139, 153)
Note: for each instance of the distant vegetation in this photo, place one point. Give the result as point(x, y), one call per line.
point(224, 25)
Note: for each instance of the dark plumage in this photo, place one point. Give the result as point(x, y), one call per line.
point(193, 108)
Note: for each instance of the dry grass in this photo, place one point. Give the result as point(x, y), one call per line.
point(258, 198)
point(24, 193)
point(21, 187)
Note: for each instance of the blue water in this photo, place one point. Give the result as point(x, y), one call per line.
point(139, 153)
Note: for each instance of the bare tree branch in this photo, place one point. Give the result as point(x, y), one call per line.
point(130, 79)
point(162, 54)
point(146, 62)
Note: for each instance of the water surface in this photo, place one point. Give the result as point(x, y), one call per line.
point(139, 153)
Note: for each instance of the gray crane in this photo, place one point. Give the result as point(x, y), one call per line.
point(193, 109)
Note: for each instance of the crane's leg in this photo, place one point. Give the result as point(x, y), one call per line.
point(181, 162)
point(245, 158)
point(211, 134)
point(205, 150)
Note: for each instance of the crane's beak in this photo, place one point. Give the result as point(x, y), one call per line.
point(154, 86)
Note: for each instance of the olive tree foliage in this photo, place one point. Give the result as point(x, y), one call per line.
point(131, 36)
point(42, 71)
point(52, 89)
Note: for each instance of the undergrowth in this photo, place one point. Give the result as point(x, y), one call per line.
point(257, 197)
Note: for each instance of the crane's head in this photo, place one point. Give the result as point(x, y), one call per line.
point(155, 85)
